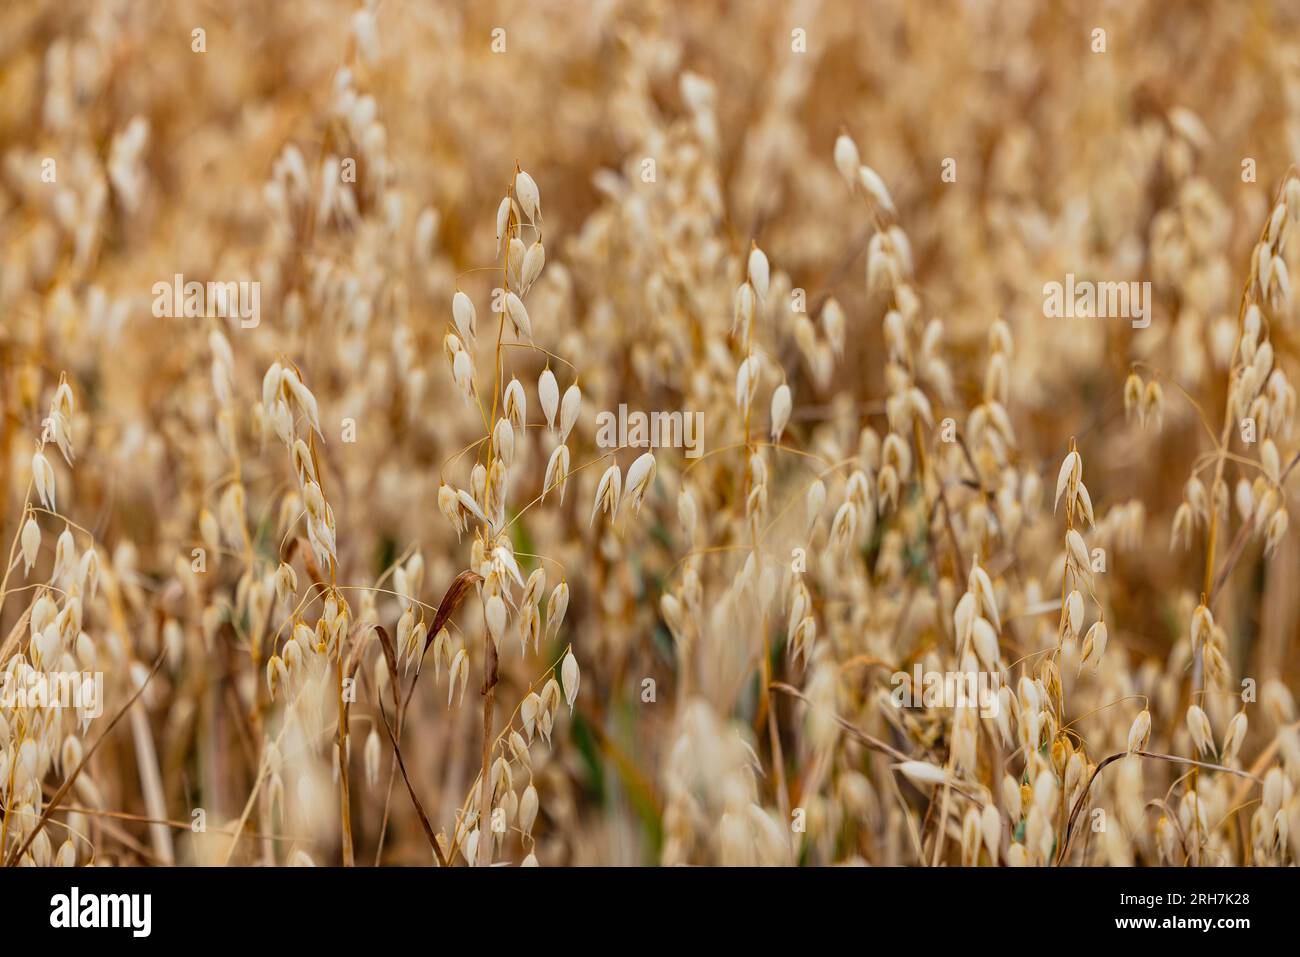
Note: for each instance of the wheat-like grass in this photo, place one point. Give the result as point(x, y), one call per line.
point(305, 365)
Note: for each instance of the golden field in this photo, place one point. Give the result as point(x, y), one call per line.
point(327, 335)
